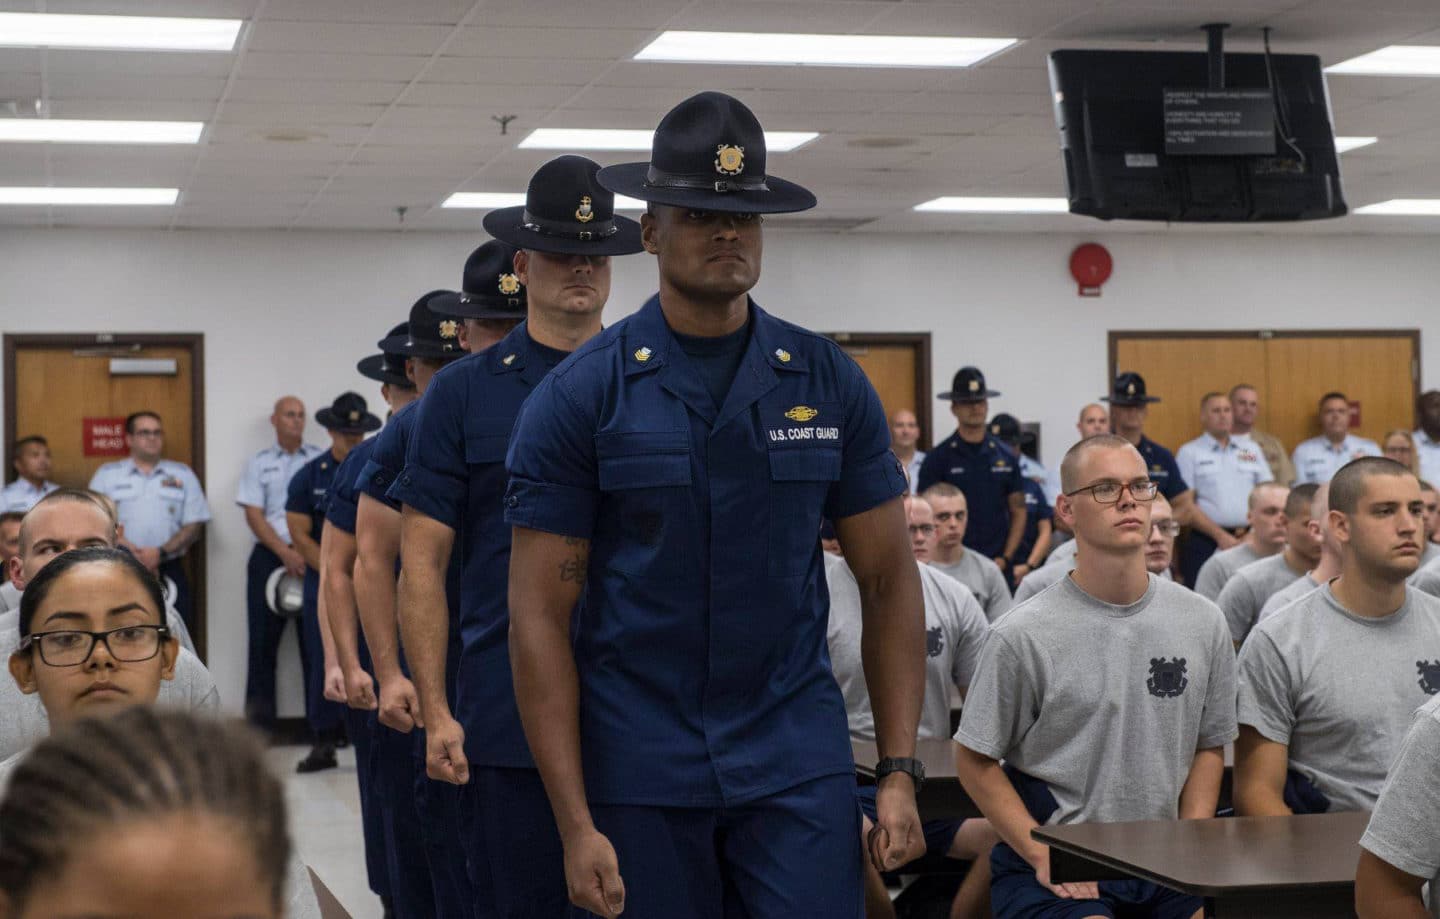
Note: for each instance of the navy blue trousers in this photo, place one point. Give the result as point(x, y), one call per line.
point(393, 784)
point(517, 865)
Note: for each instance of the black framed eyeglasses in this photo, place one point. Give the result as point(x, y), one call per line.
point(1109, 492)
point(128, 644)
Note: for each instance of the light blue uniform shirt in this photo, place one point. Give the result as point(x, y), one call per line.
point(1317, 460)
point(1223, 476)
point(20, 495)
point(1429, 453)
point(912, 471)
point(265, 483)
point(152, 507)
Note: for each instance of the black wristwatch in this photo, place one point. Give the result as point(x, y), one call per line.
point(911, 767)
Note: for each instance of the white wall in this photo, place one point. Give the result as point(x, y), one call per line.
point(292, 312)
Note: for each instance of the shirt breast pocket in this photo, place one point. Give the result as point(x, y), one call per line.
point(645, 526)
point(800, 482)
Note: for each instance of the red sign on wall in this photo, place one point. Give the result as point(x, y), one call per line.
point(104, 436)
point(1354, 414)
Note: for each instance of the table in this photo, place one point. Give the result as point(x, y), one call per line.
point(1244, 867)
point(941, 796)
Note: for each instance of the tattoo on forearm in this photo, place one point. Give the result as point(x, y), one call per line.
point(575, 569)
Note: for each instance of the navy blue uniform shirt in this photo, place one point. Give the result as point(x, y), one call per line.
point(704, 675)
point(455, 473)
point(1036, 510)
point(344, 497)
point(1163, 469)
point(988, 474)
point(386, 463)
point(309, 490)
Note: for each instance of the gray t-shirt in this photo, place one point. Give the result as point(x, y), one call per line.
point(1405, 828)
point(985, 580)
point(1219, 568)
point(1039, 579)
point(1063, 555)
point(22, 717)
point(1105, 704)
point(1248, 589)
point(1287, 595)
point(1427, 579)
point(955, 629)
point(1339, 689)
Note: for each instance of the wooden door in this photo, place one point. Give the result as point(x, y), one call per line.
point(1181, 370)
point(1377, 369)
point(898, 366)
point(54, 382)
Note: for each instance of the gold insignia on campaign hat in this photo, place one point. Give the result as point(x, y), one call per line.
point(508, 360)
point(642, 354)
point(354, 416)
point(974, 385)
point(584, 213)
point(449, 328)
point(729, 159)
point(1130, 389)
point(783, 355)
point(509, 284)
point(801, 413)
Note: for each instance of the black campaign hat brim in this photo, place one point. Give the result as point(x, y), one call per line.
point(327, 420)
point(507, 224)
point(372, 368)
point(1129, 400)
point(967, 396)
point(476, 307)
point(783, 197)
point(404, 345)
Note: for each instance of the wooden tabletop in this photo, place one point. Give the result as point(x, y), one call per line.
point(937, 755)
point(1213, 858)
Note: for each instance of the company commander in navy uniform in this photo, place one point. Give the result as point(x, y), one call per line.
point(670, 477)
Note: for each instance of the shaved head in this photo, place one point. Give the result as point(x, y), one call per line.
point(1347, 488)
point(1070, 465)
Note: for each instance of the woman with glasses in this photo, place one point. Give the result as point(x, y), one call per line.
point(1399, 445)
point(93, 644)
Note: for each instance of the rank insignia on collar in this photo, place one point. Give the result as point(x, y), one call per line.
point(642, 354)
point(509, 284)
point(729, 159)
point(508, 360)
point(584, 213)
point(449, 328)
point(801, 413)
point(783, 355)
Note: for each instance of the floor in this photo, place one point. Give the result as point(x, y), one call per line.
point(325, 824)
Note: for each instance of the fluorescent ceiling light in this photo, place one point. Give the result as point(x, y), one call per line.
point(821, 50)
point(99, 196)
point(77, 131)
point(489, 200)
point(963, 205)
point(1395, 60)
point(1403, 207)
point(1346, 144)
point(602, 139)
point(52, 30)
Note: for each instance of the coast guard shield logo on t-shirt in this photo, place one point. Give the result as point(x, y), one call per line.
point(934, 641)
point(1429, 676)
point(1167, 678)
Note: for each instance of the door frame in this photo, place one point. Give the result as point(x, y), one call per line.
point(920, 341)
point(1115, 336)
point(193, 341)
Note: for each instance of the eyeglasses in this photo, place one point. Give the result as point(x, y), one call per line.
point(1167, 528)
point(1109, 492)
point(926, 529)
point(129, 644)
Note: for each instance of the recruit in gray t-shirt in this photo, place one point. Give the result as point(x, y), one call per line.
point(1248, 589)
point(1039, 579)
point(1219, 568)
point(1427, 579)
point(22, 717)
point(1287, 595)
point(1063, 555)
point(1105, 704)
point(955, 629)
point(985, 581)
point(1339, 689)
point(1405, 828)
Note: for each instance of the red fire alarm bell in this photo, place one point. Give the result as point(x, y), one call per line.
point(1090, 265)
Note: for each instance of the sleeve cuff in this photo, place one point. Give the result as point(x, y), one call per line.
point(564, 510)
point(1218, 740)
point(971, 742)
point(342, 515)
point(1395, 855)
point(866, 485)
point(436, 496)
point(375, 481)
point(1265, 727)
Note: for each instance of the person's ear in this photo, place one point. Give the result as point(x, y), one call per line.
point(22, 670)
point(410, 369)
point(169, 653)
point(1065, 510)
point(1340, 525)
point(17, 571)
point(521, 264)
point(649, 233)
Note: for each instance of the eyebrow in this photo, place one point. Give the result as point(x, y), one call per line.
point(78, 614)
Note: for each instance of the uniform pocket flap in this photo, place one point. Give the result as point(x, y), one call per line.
point(643, 459)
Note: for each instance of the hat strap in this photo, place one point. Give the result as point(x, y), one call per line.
point(654, 178)
point(487, 299)
point(569, 230)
